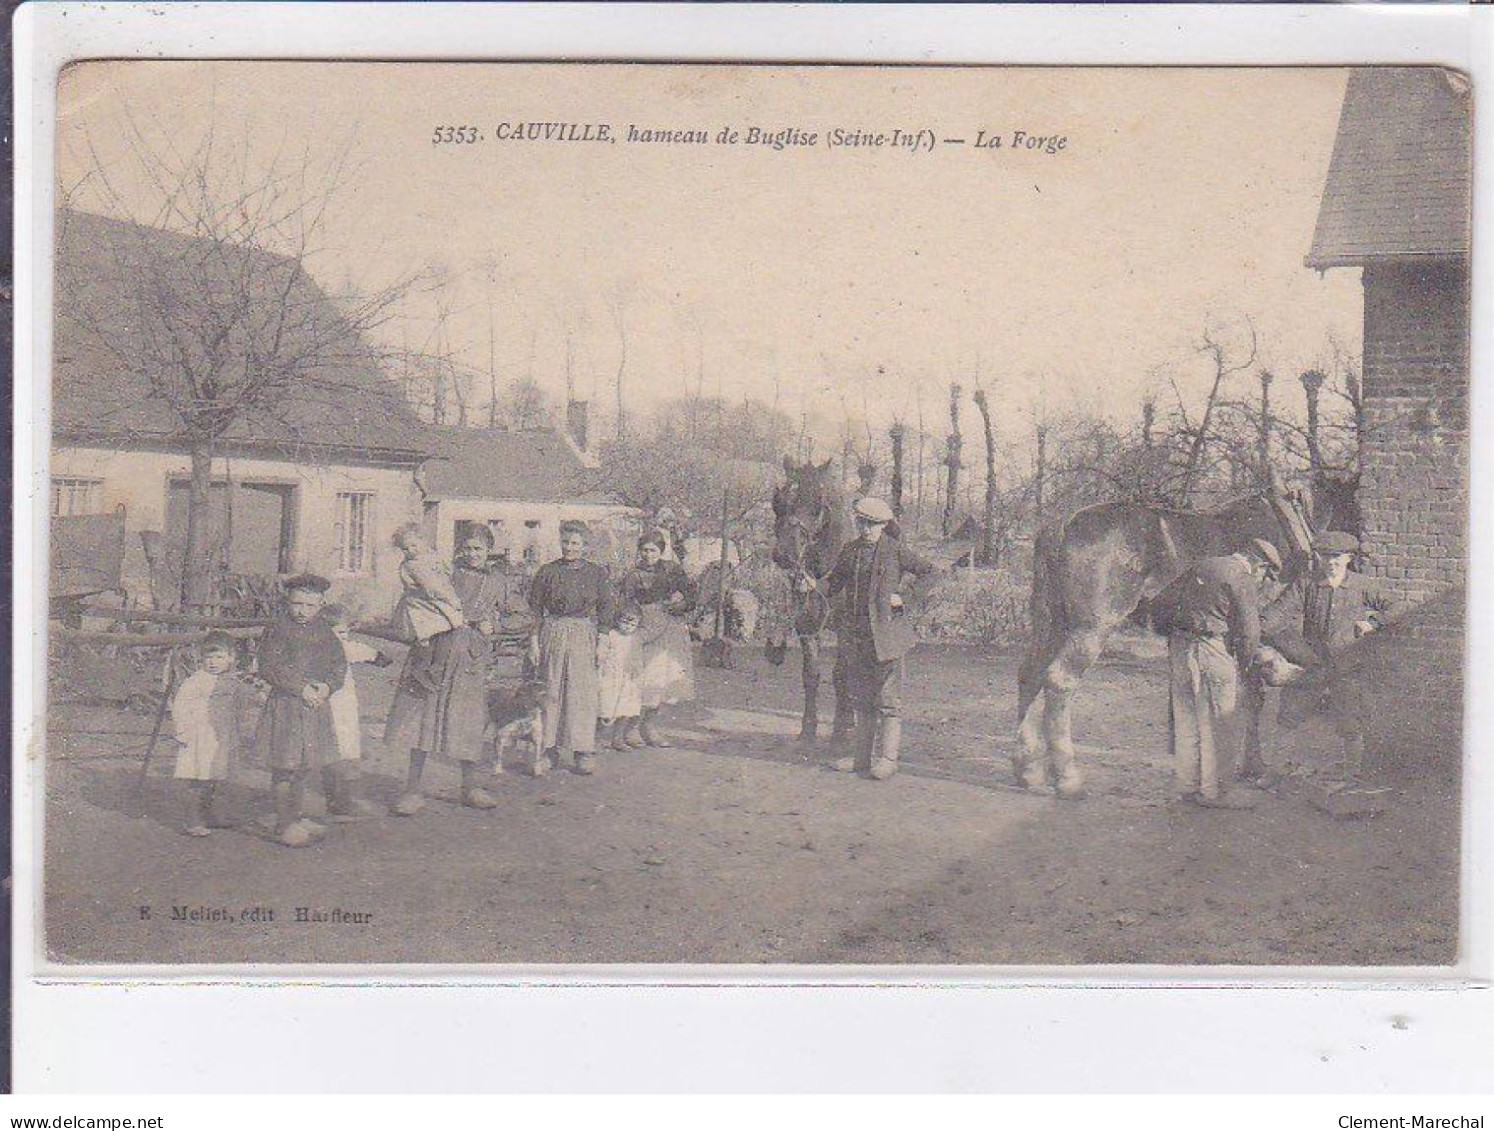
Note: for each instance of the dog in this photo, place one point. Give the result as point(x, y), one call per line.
point(514, 722)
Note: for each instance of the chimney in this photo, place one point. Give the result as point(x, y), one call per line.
point(577, 422)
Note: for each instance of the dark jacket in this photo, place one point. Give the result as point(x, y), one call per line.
point(1216, 597)
point(1310, 623)
point(292, 735)
point(891, 628)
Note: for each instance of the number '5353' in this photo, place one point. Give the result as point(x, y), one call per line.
point(455, 135)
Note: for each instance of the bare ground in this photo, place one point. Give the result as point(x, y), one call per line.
point(737, 847)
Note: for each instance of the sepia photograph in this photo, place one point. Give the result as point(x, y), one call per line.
point(583, 514)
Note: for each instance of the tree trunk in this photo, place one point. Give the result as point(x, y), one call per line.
point(1263, 456)
point(1312, 385)
point(988, 531)
point(952, 461)
point(1042, 470)
point(198, 565)
point(895, 434)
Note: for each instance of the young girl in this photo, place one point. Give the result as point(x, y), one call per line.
point(206, 713)
point(619, 672)
point(340, 778)
point(666, 595)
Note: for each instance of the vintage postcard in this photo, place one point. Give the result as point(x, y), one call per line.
point(539, 514)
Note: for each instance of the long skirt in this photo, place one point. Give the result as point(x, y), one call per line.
point(441, 704)
point(568, 666)
point(668, 665)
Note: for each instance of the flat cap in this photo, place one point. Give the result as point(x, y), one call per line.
point(312, 582)
point(873, 510)
point(1336, 542)
point(1266, 552)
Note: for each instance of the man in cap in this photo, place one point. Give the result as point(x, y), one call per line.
point(1309, 625)
point(874, 636)
point(1212, 616)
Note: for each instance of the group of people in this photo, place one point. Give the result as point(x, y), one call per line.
point(1230, 639)
point(606, 654)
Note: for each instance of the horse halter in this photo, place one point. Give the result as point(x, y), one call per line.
point(802, 537)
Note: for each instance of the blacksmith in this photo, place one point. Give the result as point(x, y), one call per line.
point(875, 635)
point(1310, 625)
point(1212, 615)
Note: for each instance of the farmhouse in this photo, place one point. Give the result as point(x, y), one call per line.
point(1397, 206)
point(321, 483)
point(521, 485)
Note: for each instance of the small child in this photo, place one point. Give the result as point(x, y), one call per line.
point(620, 674)
point(340, 778)
point(303, 662)
point(206, 713)
point(429, 609)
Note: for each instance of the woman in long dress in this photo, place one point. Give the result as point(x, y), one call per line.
point(571, 596)
point(667, 596)
point(441, 704)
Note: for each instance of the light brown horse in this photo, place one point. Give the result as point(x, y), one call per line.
point(1091, 574)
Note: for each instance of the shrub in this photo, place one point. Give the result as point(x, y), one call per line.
point(985, 606)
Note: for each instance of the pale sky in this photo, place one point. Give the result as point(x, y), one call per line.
point(834, 279)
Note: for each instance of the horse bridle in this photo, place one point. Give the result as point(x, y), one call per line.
point(801, 539)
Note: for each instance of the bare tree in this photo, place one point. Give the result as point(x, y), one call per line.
point(1264, 456)
point(952, 463)
point(617, 307)
point(1225, 366)
point(987, 555)
point(896, 434)
point(226, 328)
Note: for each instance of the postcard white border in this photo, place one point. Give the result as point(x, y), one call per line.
point(665, 1026)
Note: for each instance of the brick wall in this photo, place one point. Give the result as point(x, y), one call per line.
point(1414, 491)
point(1414, 497)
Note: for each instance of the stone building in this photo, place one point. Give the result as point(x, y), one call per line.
point(1397, 207)
point(319, 483)
point(522, 484)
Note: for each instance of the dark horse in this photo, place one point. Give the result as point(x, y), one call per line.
point(811, 522)
point(1091, 573)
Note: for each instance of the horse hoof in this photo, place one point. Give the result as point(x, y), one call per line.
point(1030, 777)
point(1071, 789)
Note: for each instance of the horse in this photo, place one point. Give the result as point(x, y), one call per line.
point(811, 522)
point(1089, 575)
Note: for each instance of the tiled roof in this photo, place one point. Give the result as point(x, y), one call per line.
point(535, 464)
point(344, 404)
point(1398, 184)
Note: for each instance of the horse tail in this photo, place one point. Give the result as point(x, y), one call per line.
point(1047, 630)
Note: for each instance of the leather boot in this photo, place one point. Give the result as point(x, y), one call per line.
point(865, 739)
point(886, 763)
point(856, 747)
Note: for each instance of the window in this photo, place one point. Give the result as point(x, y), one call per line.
point(353, 511)
point(74, 495)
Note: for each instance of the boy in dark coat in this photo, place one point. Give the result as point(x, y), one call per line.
point(302, 660)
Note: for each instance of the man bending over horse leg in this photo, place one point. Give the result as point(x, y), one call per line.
point(875, 636)
point(1212, 617)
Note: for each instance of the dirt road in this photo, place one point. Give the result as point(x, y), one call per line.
point(736, 847)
